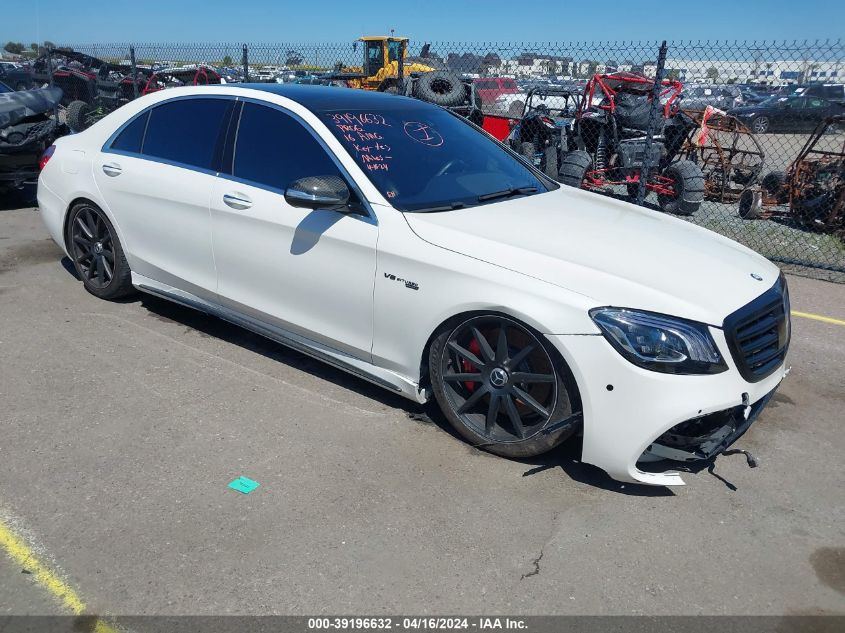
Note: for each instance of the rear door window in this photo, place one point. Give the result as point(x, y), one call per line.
point(187, 131)
point(833, 92)
point(273, 149)
point(132, 136)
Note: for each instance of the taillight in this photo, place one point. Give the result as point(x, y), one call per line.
point(46, 156)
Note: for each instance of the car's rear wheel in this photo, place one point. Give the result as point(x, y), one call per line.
point(97, 253)
point(760, 125)
point(500, 385)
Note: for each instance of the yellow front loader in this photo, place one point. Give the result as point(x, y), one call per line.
point(386, 68)
point(380, 70)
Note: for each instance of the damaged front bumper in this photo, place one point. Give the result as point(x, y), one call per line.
point(633, 415)
point(705, 437)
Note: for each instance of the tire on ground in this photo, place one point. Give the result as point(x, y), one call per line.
point(440, 88)
point(77, 115)
point(573, 167)
point(689, 188)
point(538, 443)
point(749, 204)
point(121, 282)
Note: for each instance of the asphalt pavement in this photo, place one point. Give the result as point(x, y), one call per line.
point(122, 423)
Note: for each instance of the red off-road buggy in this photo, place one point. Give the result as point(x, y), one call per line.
point(610, 130)
point(91, 87)
point(190, 75)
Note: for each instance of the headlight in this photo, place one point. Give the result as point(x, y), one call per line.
point(659, 342)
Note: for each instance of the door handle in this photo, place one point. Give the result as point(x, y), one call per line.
point(237, 201)
point(112, 169)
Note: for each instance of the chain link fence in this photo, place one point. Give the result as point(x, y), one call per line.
point(766, 176)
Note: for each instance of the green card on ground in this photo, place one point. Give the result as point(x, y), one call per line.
point(244, 485)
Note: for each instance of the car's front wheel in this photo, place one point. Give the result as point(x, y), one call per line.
point(500, 386)
point(97, 253)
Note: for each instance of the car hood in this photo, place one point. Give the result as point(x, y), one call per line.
point(610, 251)
point(15, 106)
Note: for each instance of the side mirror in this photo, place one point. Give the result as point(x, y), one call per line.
point(318, 192)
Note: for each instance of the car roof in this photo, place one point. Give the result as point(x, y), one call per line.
point(319, 98)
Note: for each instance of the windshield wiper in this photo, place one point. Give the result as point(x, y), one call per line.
point(507, 193)
point(445, 207)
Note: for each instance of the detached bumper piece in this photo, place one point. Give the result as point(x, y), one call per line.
point(705, 437)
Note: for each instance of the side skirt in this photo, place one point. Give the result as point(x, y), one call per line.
point(355, 366)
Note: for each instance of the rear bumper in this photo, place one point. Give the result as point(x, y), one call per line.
point(628, 409)
point(52, 209)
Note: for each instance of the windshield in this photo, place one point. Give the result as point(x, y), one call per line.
point(427, 159)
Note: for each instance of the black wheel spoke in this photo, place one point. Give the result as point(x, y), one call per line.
point(474, 398)
point(492, 413)
point(109, 255)
point(531, 402)
point(486, 350)
point(513, 414)
point(81, 241)
point(465, 353)
point(502, 344)
point(462, 377)
point(520, 356)
point(529, 378)
point(107, 268)
point(92, 268)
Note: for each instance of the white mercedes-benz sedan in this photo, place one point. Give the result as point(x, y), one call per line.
point(393, 239)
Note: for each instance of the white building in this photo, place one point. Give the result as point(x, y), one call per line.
point(687, 70)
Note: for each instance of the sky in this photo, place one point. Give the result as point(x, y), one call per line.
point(97, 21)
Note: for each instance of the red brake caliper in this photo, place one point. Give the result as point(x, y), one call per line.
point(467, 367)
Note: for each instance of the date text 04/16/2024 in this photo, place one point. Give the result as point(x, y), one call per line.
point(428, 623)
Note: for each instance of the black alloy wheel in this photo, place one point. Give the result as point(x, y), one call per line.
point(97, 254)
point(93, 248)
point(498, 384)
